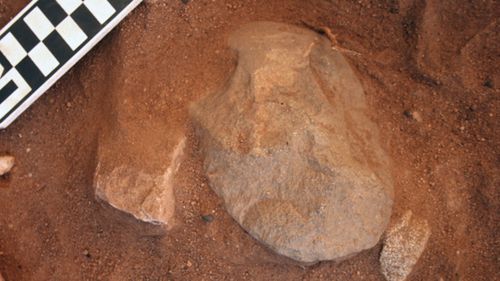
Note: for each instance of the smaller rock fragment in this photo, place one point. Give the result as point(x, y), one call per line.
point(6, 164)
point(403, 245)
point(147, 196)
point(415, 115)
point(86, 253)
point(488, 83)
point(207, 218)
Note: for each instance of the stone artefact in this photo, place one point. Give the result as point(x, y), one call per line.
point(145, 195)
point(6, 164)
point(289, 147)
point(403, 245)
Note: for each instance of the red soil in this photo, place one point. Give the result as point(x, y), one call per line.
point(437, 58)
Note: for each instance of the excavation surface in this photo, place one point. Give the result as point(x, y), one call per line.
point(436, 103)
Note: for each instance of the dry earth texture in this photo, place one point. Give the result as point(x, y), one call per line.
point(430, 73)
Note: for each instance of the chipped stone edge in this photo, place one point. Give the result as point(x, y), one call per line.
point(167, 179)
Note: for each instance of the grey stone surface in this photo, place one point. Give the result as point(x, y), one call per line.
point(403, 245)
point(289, 147)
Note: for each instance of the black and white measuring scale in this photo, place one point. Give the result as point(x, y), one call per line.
point(44, 41)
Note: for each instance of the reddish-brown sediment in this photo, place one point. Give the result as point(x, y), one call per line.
point(167, 54)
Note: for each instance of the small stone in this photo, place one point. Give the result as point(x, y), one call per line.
point(403, 245)
point(6, 164)
point(416, 116)
point(207, 218)
point(189, 263)
point(488, 83)
point(86, 253)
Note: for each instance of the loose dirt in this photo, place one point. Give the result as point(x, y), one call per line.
point(430, 72)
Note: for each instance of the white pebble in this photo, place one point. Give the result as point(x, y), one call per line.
point(6, 164)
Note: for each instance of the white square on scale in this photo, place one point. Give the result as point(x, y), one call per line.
point(71, 33)
point(12, 49)
point(39, 23)
point(101, 9)
point(69, 6)
point(43, 58)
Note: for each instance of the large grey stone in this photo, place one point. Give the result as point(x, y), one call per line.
point(403, 245)
point(289, 147)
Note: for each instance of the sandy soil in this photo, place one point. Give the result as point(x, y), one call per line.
point(430, 71)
